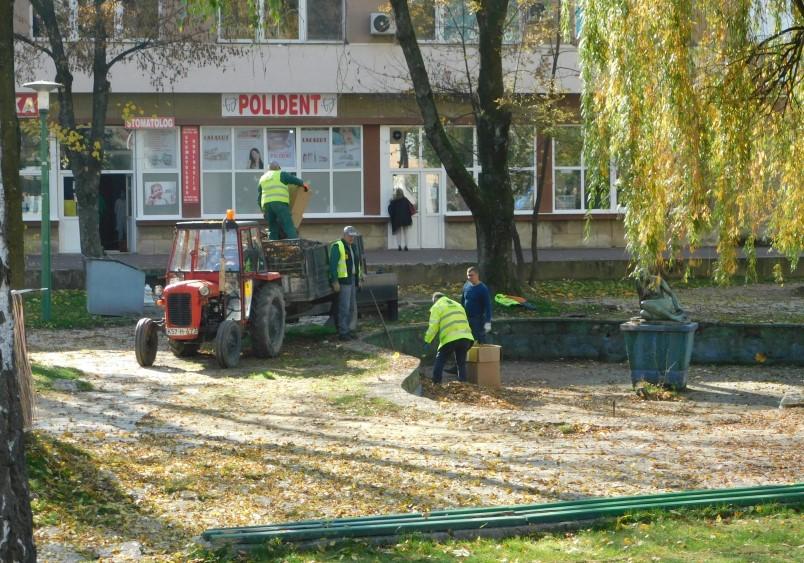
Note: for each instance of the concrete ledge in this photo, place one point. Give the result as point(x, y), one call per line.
point(600, 340)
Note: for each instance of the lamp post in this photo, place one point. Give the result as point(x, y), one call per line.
point(43, 89)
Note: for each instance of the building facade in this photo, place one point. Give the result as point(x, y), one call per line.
point(325, 94)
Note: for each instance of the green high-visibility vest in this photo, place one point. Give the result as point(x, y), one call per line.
point(356, 266)
point(448, 320)
point(506, 301)
point(272, 189)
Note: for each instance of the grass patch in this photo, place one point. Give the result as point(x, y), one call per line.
point(650, 392)
point(68, 310)
point(45, 377)
point(763, 533)
point(361, 405)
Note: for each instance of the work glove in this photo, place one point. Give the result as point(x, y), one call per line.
point(306, 187)
point(336, 286)
point(487, 327)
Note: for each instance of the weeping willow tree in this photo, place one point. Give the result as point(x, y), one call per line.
point(699, 106)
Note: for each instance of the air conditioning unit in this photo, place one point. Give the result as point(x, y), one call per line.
point(381, 24)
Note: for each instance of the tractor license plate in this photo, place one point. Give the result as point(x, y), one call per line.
point(177, 331)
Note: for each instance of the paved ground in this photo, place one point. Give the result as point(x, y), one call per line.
point(204, 447)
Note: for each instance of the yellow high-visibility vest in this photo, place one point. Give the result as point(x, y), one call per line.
point(272, 189)
point(448, 320)
point(356, 267)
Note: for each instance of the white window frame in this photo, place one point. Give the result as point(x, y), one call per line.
point(613, 206)
point(140, 171)
point(299, 171)
point(259, 36)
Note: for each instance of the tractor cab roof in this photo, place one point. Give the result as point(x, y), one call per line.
point(213, 224)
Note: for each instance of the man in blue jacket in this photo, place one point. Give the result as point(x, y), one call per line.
point(476, 299)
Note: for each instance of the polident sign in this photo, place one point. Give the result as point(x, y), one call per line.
point(279, 105)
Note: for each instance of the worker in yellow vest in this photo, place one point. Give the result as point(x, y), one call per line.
point(448, 321)
point(345, 274)
point(274, 200)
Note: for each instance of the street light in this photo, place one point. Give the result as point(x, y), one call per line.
point(43, 89)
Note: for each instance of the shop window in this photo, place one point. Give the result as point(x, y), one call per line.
point(117, 150)
point(159, 178)
point(299, 20)
point(569, 175)
point(234, 159)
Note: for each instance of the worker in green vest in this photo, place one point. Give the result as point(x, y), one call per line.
point(274, 200)
point(448, 321)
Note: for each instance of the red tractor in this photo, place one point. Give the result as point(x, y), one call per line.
point(218, 287)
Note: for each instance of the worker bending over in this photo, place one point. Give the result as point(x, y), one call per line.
point(448, 321)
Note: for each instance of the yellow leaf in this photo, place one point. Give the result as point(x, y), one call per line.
point(760, 357)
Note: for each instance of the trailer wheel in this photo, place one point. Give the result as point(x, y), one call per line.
point(182, 349)
point(267, 321)
point(146, 341)
point(227, 344)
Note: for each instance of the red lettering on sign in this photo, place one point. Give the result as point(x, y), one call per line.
point(304, 105)
point(190, 174)
point(282, 104)
point(294, 104)
point(242, 103)
point(315, 98)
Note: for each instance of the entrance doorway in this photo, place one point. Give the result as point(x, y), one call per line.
point(423, 189)
point(114, 214)
point(113, 211)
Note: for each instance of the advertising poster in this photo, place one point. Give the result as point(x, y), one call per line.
point(347, 150)
point(281, 147)
point(160, 194)
point(216, 149)
point(160, 149)
point(315, 148)
point(248, 149)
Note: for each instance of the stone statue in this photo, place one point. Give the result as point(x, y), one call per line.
point(657, 301)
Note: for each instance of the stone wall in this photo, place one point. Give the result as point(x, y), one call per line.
point(601, 340)
point(569, 233)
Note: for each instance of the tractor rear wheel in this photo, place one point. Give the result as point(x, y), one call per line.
point(146, 341)
point(228, 341)
point(182, 349)
point(267, 321)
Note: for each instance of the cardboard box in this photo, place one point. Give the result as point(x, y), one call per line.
point(484, 353)
point(299, 199)
point(486, 374)
point(483, 365)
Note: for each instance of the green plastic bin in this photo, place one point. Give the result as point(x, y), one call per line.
point(659, 352)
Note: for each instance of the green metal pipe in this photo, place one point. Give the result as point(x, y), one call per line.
point(520, 508)
point(508, 517)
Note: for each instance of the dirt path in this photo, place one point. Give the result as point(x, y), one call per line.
point(324, 431)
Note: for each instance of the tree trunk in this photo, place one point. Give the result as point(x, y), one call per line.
point(9, 126)
point(491, 200)
point(534, 223)
point(16, 536)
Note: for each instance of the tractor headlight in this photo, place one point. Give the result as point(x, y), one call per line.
point(203, 290)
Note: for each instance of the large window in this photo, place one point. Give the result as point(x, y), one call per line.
point(455, 21)
point(299, 20)
point(158, 172)
point(129, 19)
point(30, 179)
point(330, 159)
point(570, 193)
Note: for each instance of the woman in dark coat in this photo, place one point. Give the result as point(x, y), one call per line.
point(401, 211)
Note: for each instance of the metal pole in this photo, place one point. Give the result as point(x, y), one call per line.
point(45, 227)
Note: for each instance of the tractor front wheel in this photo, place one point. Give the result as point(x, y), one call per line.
point(146, 341)
point(227, 344)
point(267, 321)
